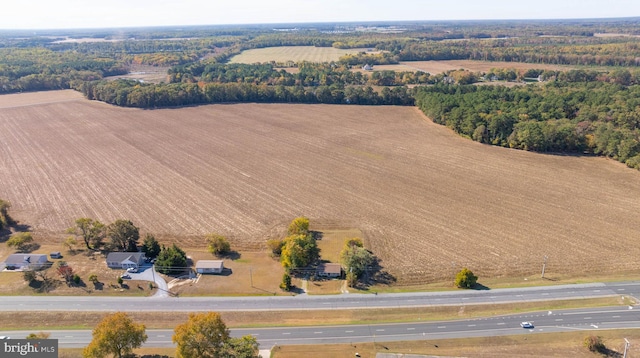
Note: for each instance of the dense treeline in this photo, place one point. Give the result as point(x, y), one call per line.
point(307, 74)
point(131, 93)
point(594, 117)
point(521, 50)
point(40, 69)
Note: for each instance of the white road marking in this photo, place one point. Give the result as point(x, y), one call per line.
point(442, 326)
point(348, 331)
point(559, 319)
point(410, 329)
point(471, 325)
point(379, 330)
point(501, 323)
point(317, 332)
point(286, 332)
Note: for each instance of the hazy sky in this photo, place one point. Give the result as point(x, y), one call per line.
point(38, 14)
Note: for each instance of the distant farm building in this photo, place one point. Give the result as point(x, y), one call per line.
point(209, 266)
point(329, 270)
point(25, 262)
point(367, 67)
point(125, 260)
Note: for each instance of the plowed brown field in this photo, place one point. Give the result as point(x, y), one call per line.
point(428, 201)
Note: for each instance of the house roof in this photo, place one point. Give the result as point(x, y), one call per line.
point(19, 259)
point(214, 264)
point(330, 268)
point(122, 256)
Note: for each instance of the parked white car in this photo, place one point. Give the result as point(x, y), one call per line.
point(526, 325)
point(132, 269)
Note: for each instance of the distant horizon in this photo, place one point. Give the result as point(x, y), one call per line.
point(34, 15)
point(367, 22)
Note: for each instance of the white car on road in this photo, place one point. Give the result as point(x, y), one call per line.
point(526, 325)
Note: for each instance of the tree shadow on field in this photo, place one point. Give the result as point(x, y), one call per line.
point(317, 235)
point(17, 227)
point(11, 228)
point(376, 275)
point(296, 290)
point(231, 255)
point(480, 287)
point(5, 233)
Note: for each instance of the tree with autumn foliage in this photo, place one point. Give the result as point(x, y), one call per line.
point(92, 232)
point(66, 272)
point(205, 335)
point(117, 334)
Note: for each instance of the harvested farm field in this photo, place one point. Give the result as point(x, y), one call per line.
point(293, 53)
point(427, 201)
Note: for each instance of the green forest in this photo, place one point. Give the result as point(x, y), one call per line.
point(585, 117)
point(593, 109)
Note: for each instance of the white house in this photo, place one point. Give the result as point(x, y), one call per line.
point(367, 67)
point(25, 261)
point(209, 266)
point(125, 260)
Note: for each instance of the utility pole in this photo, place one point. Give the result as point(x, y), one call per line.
point(544, 265)
point(626, 347)
point(251, 275)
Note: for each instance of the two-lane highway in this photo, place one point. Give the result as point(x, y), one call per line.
point(305, 302)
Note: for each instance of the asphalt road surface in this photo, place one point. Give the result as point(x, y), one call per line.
point(546, 321)
point(329, 302)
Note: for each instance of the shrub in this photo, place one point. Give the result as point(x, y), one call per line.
point(286, 282)
point(21, 241)
point(275, 245)
point(594, 344)
point(29, 276)
point(466, 279)
point(218, 244)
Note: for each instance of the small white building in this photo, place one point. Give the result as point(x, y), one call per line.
point(25, 261)
point(125, 260)
point(209, 266)
point(367, 67)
